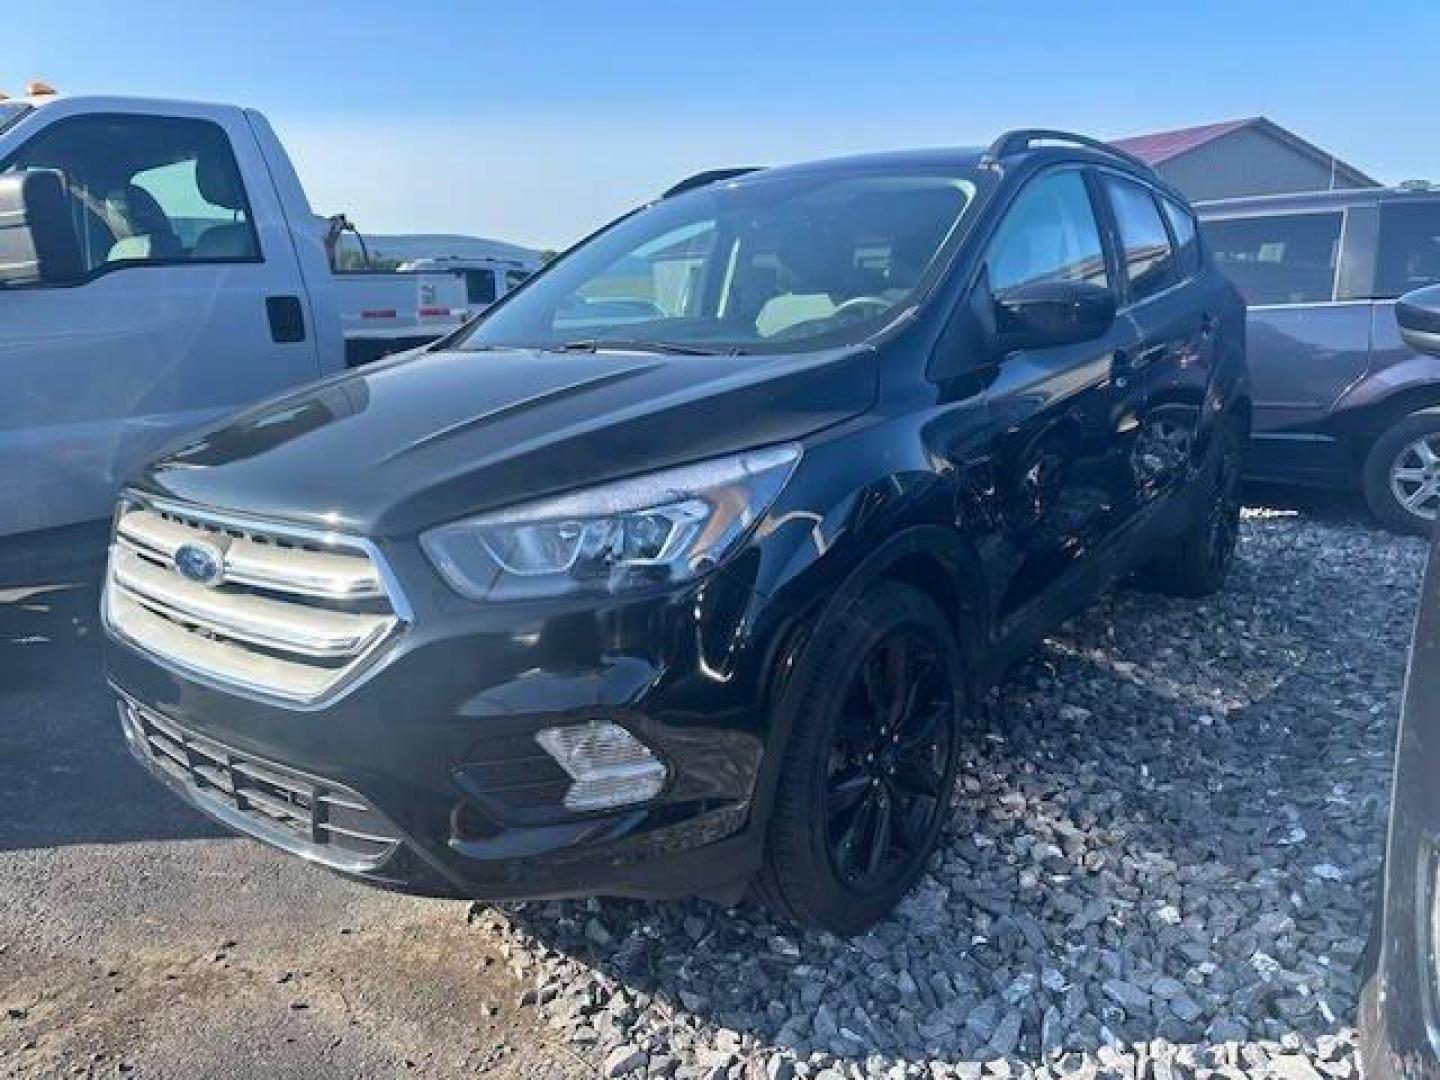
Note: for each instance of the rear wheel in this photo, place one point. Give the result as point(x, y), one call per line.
point(1200, 562)
point(865, 786)
point(1402, 475)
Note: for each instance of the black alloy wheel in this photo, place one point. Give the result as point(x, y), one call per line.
point(888, 761)
point(875, 715)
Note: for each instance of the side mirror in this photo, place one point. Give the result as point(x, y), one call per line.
point(1418, 314)
point(38, 245)
point(1047, 313)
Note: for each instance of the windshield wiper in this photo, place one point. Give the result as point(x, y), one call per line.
point(672, 347)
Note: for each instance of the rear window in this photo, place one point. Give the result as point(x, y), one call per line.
point(1182, 225)
point(1279, 258)
point(1409, 248)
point(1149, 260)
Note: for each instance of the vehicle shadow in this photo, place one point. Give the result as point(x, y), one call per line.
point(1172, 840)
point(66, 776)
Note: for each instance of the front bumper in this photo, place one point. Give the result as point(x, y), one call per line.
point(436, 743)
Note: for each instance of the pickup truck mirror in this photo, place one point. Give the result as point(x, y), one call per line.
point(1045, 313)
point(1418, 314)
point(38, 245)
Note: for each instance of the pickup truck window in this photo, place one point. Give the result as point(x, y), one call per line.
point(1278, 258)
point(1409, 247)
point(11, 112)
point(146, 190)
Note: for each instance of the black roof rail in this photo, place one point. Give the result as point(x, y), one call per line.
point(1022, 139)
point(709, 176)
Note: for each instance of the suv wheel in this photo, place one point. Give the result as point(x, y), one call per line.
point(1402, 475)
point(867, 777)
point(1200, 562)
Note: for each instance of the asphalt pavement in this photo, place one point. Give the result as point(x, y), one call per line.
point(139, 939)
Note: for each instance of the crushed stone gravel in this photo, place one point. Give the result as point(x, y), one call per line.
point(1160, 864)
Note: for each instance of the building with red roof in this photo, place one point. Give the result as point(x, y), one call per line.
point(1253, 156)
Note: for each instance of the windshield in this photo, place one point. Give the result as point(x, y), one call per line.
point(764, 265)
point(11, 112)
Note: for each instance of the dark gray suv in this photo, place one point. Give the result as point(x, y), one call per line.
point(1340, 400)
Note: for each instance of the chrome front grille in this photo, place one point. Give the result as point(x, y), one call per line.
point(288, 613)
point(318, 819)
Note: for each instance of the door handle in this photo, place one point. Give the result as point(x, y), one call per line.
point(287, 319)
point(1122, 368)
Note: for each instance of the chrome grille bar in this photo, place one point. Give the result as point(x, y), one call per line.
point(292, 615)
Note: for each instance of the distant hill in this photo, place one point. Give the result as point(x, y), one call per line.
point(403, 246)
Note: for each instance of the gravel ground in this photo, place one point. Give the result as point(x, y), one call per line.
point(1161, 863)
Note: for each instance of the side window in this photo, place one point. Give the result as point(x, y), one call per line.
point(1280, 258)
point(1150, 265)
point(1049, 234)
point(480, 286)
point(513, 278)
point(1182, 227)
point(146, 189)
point(1409, 247)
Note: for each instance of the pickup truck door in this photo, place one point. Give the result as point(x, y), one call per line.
point(190, 305)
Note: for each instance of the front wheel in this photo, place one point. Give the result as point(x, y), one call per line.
point(866, 781)
point(1402, 475)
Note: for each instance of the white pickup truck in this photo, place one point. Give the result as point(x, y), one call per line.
point(160, 265)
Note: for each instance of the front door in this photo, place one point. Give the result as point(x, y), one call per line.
point(1065, 432)
point(188, 307)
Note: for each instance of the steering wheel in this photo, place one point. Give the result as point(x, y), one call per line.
point(858, 304)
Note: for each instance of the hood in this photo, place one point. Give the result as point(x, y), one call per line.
point(401, 446)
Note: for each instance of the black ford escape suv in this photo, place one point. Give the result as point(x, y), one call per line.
point(681, 568)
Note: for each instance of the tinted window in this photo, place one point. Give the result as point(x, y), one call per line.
point(1182, 227)
point(144, 189)
point(11, 112)
point(480, 286)
point(514, 278)
point(1145, 245)
point(1280, 259)
point(1409, 247)
point(762, 265)
point(1049, 234)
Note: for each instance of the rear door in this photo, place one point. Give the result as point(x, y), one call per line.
point(190, 305)
point(1170, 368)
point(1305, 346)
point(1408, 257)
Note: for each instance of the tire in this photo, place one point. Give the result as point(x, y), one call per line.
point(1397, 464)
point(852, 770)
point(1202, 556)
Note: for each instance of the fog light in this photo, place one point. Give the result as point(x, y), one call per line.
point(609, 766)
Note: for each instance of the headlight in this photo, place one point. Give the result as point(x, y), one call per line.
point(664, 527)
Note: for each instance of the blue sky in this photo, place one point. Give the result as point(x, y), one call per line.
point(537, 122)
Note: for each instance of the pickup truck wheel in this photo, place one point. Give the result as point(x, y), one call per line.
point(1201, 559)
point(866, 781)
point(1402, 475)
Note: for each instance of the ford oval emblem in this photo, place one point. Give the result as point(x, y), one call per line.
point(200, 562)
